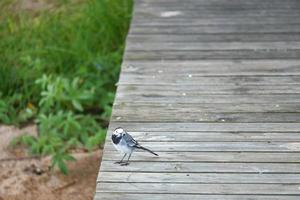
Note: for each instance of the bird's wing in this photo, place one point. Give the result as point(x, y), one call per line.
point(129, 140)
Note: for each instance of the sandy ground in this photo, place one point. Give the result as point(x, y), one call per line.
point(31, 179)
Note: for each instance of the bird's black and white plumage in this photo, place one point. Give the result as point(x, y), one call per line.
point(125, 144)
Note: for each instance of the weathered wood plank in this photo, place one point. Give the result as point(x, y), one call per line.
point(215, 20)
point(268, 3)
point(162, 18)
point(165, 108)
point(197, 178)
point(254, 8)
point(195, 90)
point(207, 117)
point(213, 67)
point(220, 146)
point(203, 167)
point(225, 54)
point(126, 196)
point(183, 97)
point(227, 28)
point(154, 46)
point(197, 79)
point(220, 127)
point(195, 157)
point(158, 19)
point(234, 37)
point(214, 136)
point(222, 3)
point(208, 13)
point(280, 189)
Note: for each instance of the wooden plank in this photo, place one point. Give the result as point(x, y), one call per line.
point(162, 188)
point(222, 3)
point(213, 67)
point(215, 157)
point(254, 8)
point(197, 90)
point(203, 167)
point(198, 79)
point(220, 127)
point(154, 46)
point(197, 178)
point(139, 112)
point(206, 55)
point(217, 37)
point(178, 19)
point(126, 196)
point(227, 28)
point(289, 3)
point(219, 146)
point(206, 117)
point(148, 20)
point(204, 13)
point(166, 108)
point(144, 16)
point(183, 97)
point(209, 136)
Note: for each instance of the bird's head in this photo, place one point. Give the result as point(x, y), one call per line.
point(118, 132)
point(117, 135)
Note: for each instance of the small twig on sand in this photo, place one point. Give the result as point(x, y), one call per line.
point(19, 158)
point(65, 186)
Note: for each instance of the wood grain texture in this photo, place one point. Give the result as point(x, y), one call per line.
point(218, 12)
point(202, 37)
point(196, 157)
point(180, 188)
point(221, 127)
point(199, 79)
point(206, 117)
point(213, 67)
point(214, 88)
point(267, 4)
point(145, 196)
point(208, 107)
point(214, 54)
point(183, 97)
point(216, 20)
point(244, 28)
point(197, 178)
point(220, 146)
point(204, 167)
point(209, 46)
point(198, 90)
point(211, 136)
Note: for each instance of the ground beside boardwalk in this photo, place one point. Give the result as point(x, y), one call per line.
point(30, 179)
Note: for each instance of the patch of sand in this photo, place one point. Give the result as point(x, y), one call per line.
point(7, 133)
point(31, 179)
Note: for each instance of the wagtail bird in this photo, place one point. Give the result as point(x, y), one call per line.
point(125, 144)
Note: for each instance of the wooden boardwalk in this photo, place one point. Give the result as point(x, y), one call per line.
point(213, 86)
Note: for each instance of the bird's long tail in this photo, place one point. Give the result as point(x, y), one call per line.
point(145, 149)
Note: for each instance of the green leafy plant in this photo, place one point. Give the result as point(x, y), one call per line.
point(61, 93)
point(61, 132)
point(59, 66)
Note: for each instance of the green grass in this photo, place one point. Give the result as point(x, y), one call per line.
point(61, 62)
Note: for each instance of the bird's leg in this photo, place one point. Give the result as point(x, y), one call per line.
point(121, 161)
point(127, 162)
